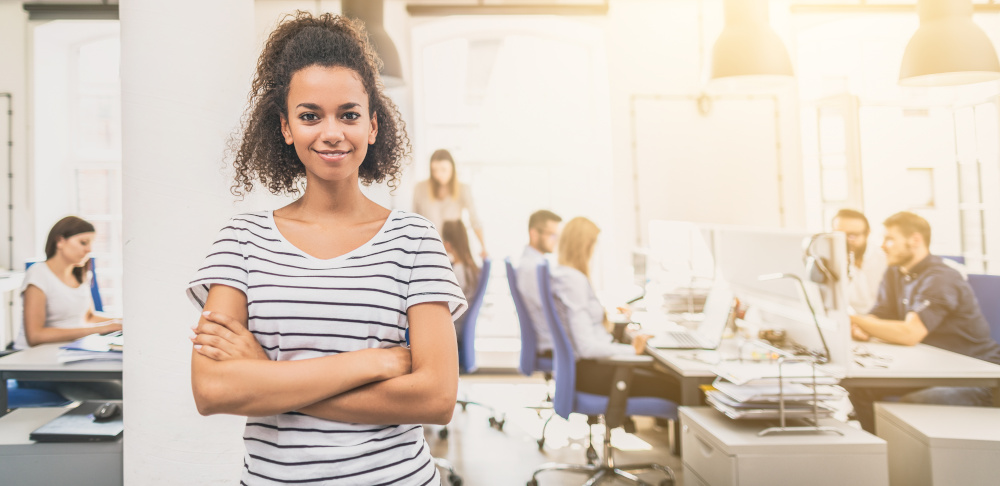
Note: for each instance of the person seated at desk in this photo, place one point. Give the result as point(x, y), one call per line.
point(59, 307)
point(923, 300)
point(543, 236)
point(456, 244)
point(587, 325)
point(866, 264)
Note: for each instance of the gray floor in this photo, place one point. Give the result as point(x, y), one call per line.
point(485, 456)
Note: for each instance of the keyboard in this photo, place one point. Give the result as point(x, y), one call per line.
point(684, 339)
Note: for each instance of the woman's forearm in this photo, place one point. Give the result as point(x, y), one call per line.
point(257, 387)
point(417, 398)
point(45, 335)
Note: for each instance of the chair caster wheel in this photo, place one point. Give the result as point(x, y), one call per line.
point(667, 482)
point(532, 483)
point(455, 480)
point(464, 405)
point(443, 433)
point(541, 443)
point(591, 456)
point(498, 424)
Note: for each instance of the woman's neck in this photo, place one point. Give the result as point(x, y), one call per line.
point(62, 268)
point(331, 199)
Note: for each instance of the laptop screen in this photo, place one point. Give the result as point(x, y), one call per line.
point(717, 307)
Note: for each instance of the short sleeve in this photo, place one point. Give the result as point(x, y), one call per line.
point(936, 298)
point(224, 265)
point(432, 278)
point(34, 276)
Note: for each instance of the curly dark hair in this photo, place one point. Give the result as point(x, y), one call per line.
point(302, 40)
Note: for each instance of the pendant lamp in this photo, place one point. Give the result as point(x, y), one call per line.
point(370, 12)
point(748, 50)
point(948, 48)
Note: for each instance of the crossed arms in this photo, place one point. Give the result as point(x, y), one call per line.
point(231, 374)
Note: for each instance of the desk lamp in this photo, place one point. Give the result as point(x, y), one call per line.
point(825, 357)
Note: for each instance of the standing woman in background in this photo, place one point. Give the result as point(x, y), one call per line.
point(59, 306)
point(442, 198)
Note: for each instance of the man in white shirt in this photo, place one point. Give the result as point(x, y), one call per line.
point(543, 238)
point(866, 268)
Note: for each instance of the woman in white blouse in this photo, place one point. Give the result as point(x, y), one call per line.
point(58, 306)
point(587, 323)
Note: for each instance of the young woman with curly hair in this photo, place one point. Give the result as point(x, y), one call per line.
point(307, 307)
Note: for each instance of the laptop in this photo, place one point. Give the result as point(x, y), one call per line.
point(78, 425)
point(708, 335)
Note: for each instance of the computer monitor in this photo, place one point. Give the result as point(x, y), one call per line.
point(743, 255)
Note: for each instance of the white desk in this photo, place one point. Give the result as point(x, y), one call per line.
point(39, 363)
point(911, 366)
point(24, 462)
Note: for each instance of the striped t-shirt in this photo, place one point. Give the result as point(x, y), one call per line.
point(304, 307)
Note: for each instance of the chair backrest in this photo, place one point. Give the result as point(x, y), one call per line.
point(467, 324)
point(564, 356)
point(987, 290)
point(955, 258)
point(529, 341)
point(95, 293)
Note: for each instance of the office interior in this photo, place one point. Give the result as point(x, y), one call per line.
point(632, 113)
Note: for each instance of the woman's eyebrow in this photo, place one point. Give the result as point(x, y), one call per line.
point(308, 106)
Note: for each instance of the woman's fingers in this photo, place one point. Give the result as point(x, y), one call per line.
point(234, 326)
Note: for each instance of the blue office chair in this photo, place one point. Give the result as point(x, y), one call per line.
point(955, 258)
point(30, 397)
point(466, 326)
point(611, 409)
point(987, 290)
point(94, 291)
point(531, 361)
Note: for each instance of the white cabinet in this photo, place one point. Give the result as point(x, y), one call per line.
point(940, 445)
point(718, 451)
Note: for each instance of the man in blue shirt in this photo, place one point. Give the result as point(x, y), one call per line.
point(922, 300)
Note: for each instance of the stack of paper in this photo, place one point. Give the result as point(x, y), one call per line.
point(756, 391)
point(93, 347)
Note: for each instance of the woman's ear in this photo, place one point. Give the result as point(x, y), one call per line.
point(373, 133)
point(286, 131)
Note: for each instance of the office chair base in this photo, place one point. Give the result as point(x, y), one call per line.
point(601, 473)
point(453, 478)
point(495, 422)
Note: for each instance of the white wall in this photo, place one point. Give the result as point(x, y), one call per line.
point(184, 84)
point(14, 80)
point(658, 53)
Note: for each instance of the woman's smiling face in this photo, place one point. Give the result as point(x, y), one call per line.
point(328, 120)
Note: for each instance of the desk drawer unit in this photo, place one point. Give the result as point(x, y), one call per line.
point(940, 445)
point(718, 451)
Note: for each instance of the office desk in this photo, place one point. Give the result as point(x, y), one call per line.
point(39, 363)
point(911, 366)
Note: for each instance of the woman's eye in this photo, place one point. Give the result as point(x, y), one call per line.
point(308, 117)
point(352, 115)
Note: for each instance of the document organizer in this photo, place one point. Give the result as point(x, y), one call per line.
point(783, 428)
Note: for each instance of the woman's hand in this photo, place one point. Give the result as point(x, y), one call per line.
point(639, 342)
point(859, 334)
point(113, 325)
point(224, 338)
point(396, 360)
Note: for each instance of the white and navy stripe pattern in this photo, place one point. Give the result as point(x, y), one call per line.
point(304, 307)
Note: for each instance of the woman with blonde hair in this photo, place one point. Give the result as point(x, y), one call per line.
point(583, 315)
point(442, 198)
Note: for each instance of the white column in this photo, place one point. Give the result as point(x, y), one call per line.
point(186, 67)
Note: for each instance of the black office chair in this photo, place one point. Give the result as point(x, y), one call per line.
point(611, 409)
